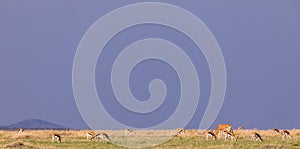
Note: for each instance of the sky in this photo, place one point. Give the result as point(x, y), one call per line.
point(259, 41)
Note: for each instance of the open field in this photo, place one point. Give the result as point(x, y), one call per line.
point(191, 139)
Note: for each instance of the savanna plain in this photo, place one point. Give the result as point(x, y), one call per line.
point(163, 138)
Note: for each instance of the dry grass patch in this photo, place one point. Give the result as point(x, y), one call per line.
point(18, 145)
point(191, 139)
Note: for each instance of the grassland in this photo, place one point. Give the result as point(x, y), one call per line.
point(191, 139)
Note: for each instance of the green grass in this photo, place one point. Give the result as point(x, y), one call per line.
point(76, 139)
point(200, 142)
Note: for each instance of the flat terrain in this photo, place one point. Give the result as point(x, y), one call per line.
point(191, 139)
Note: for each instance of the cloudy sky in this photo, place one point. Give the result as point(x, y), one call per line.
point(260, 42)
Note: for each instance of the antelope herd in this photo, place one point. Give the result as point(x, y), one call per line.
point(224, 130)
point(284, 133)
point(101, 136)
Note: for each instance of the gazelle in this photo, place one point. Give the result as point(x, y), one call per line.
point(103, 137)
point(210, 134)
point(56, 136)
point(286, 134)
point(20, 130)
point(240, 128)
point(180, 131)
point(283, 133)
point(129, 132)
point(255, 135)
point(90, 135)
point(229, 134)
point(222, 128)
point(275, 130)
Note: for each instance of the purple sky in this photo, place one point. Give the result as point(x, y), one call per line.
point(260, 41)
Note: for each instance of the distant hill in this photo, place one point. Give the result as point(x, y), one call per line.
point(3, 127)
point(33, 124)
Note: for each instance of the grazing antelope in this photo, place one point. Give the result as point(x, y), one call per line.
point(56, 136)
point(180, 131)
point(223, 127)
point(286, 134)
point(275, 130)
point(90, 135)
point(103, 137)
point(210, 134)
point(283, 133)
point(240, 128)
point(257, 136)
point(229, 134)
point(20, 130)
point(129, 132)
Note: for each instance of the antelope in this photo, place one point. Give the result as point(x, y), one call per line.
point(103, 137)
point(240, 128)
point(20, 130)
point(129, 132)
point(255, 135)
point(180, 131)
point(57, 137)
point(283, 133)
point(275, 130)
point(286, 134)
point(90, 135)
point(223, 128)
point(210, 134)
point(229, 134)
